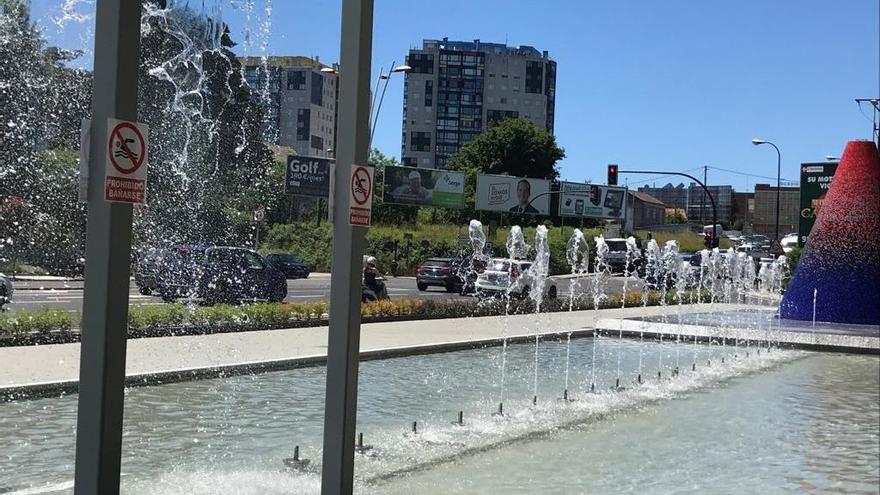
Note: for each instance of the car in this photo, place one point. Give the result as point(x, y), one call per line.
point(218, 274)
point(146, 270)
point(438, 272)
point(290, 265)
point(5, 290)
point(789, 242)
point(514, 277)
point(616, 257)
point(469, 268)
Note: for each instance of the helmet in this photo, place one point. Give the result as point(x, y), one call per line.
point(371, 260)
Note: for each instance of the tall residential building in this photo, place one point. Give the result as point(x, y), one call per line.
point(456, 89)
point(764, 220)
point(302, 100)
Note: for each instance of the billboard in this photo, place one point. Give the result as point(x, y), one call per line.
point(815, 181)
point(423, 187)
point(513, 194)
point(307, 176)
point(591, 200)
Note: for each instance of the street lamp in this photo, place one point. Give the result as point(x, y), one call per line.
point(757, 142)
point(386, 78)
point(832, 158)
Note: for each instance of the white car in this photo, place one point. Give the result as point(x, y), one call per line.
point(5, 290)
point(789, 242)
point(517, 276)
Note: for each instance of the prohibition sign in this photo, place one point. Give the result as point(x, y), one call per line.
point(126, 158)
point(359, 192)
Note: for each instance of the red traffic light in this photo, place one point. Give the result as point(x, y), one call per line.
point(612, 175)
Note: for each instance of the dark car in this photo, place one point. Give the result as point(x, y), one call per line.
point(5, 290)
point(147, 269)
point(468, 269)
point(217, 274)
point(290, 265)
point(438, 272)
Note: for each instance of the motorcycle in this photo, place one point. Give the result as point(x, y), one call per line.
point(373, 283)
point(5, 291)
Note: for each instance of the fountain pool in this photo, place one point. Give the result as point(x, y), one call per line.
point(700, 428)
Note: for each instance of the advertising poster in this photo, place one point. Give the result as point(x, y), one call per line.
point(307, 176)
point(513, 194)
point(815, 181)
point(423, 187)
point(591, 200)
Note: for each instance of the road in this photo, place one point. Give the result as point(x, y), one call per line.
point(67, 295)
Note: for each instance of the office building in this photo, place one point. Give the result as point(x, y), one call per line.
point(302, 101)
point(669, 195)
point(456, 89)
point(764, 220)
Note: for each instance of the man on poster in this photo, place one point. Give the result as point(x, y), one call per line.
point(412, 191)
point(523, 193)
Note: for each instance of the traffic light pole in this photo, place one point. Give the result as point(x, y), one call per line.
point(691, 177)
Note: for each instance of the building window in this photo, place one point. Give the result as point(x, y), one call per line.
point(429, 93)
point(317, 143)
point(503, 100)
point(303, 121)
point(296, 80)
point(420, 141)
point(317, 89)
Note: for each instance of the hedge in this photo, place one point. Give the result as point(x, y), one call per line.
point(56, 326)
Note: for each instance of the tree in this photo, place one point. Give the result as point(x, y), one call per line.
point(512, 147)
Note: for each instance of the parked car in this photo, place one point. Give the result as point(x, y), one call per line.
point(468, 269)
point(517, 276)
point(291, 266)
point(5, 290)
point(789, 242)
point(146, 270)
point(218, 274)
point(438, 272)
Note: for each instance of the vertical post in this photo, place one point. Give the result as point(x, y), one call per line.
point(108, 247)
point(348, 245)
point(703, 195)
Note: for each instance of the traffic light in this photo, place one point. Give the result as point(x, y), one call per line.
point(612, 175)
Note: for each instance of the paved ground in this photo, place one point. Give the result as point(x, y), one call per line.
point(51, 364)
point(54, 293)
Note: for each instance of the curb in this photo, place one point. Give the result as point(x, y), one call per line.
point(10, 393)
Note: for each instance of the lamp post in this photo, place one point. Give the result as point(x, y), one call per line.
point(386, 78)
point(757, 142)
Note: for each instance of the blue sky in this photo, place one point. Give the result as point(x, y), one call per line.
point(670, 85)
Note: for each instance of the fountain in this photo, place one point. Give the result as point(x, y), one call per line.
point(841, 258)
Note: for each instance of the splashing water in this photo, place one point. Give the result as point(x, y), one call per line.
point(577, 254)
point(539, 271)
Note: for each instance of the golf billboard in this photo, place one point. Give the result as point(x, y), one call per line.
point(591, 200)
point(423, 187)
point(513, 194)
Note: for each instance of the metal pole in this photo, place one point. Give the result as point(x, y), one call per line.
point(108, 248)
point(691, 177)
point(340, 406)
point(778, 185)
point(381, 98)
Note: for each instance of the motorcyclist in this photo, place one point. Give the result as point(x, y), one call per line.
point(374, 284)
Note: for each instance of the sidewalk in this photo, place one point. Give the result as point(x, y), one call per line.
point(47, 368)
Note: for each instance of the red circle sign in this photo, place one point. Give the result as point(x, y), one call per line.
point(126, 148)
point(359, 191)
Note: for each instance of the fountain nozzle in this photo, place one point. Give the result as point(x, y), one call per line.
point(639, 378)
point(414, 428)
point(295, 462)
